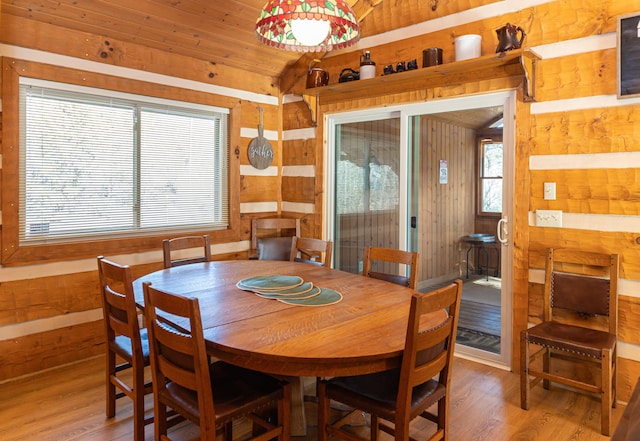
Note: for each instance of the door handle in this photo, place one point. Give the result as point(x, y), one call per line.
point(501, 232)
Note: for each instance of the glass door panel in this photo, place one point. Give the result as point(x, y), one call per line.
point(367, 190)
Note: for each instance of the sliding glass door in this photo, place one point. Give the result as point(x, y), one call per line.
point(408, 178)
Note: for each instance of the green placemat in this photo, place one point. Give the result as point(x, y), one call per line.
point(271, 282)
point(326, 297)
point(314, 291)
point(300, 289)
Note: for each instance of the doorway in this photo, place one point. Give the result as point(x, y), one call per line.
point(393, 161)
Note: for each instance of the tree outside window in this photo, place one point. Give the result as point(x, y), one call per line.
point(490, 177)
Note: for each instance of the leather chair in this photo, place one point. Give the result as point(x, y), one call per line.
point(401, 395)
point(169, 246)
point(313, 251)
point(391, 255)
point(579, 326)
point(271, 237)
point(125, 341)
point(185, 381)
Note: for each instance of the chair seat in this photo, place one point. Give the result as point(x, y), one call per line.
point(376, 393)
point(569, 338)
point(236, 392)
point(122, 346)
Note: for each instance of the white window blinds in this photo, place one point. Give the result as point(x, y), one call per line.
point(95, 162)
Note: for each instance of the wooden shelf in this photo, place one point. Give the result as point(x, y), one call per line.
point(520, 62)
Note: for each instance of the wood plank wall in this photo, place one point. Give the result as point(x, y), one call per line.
point(576, 122)
point(446, 211)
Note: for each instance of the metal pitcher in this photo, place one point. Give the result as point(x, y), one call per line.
point(508, 37)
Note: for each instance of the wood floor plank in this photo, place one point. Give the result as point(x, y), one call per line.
point(68, 404)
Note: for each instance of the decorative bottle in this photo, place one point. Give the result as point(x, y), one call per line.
point(367, 66)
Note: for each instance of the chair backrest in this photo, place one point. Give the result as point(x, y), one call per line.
point(390, 255)
point(119, 305)
point(584, 285)
point(182, 243)
point(178, 356)
point(271, 237)
point(428, 353)
point(310, 250)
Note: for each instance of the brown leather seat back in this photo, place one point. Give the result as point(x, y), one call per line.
point(580, 293)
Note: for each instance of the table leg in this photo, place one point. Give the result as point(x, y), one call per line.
point(298, 417)
point(483, 249)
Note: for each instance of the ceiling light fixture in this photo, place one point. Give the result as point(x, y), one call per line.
point(307, 25)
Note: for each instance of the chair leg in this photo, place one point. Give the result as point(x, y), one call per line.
point(323, 411)
point(524, 372)
point(138, 404)
point(606, 403)
point(159, 420)
point(443, 416)
point(111, 388)
point(546, 367)
point(375, 428)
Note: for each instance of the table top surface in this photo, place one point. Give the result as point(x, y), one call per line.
point(363, 333)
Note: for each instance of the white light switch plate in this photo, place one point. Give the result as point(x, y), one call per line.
point(548, 218)
point(549, 191)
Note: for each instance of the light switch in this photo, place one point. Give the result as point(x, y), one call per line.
point(549, 191)
point(548, 218)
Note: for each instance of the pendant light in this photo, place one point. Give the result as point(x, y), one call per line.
point(307, 25)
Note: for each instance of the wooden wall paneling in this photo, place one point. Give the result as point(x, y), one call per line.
point(36, 352)
point(579, 75)
point(298, 189)
point(620, 243)
point(411, 12)
point(251, 116)
point(296, 115)
point(258, 188)
point(23, 32)
point(628, 377)
point(592, 191)
point(446, 210)
point(32, 299)
point(629, 319)
point(595, 130)
point(299, 152)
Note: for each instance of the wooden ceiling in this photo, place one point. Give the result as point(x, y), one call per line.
point(218, 31)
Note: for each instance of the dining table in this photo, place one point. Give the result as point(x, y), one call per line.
point(362, 330)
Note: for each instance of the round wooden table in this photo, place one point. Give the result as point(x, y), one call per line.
point(363, 333)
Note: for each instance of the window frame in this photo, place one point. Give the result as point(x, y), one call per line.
point(13, 253)
point(488, 136)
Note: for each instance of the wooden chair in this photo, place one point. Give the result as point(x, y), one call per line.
point(125, 341)
point(309, 250)
point(401, 395)
point(271, 237)
point(182, 243)
point(579, 325)
point(372, 254)
point(183, 379)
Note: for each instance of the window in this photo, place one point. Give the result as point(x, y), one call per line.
point(97, 163)
point(490, 182)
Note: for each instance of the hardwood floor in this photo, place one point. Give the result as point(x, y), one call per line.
point(68, 404)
